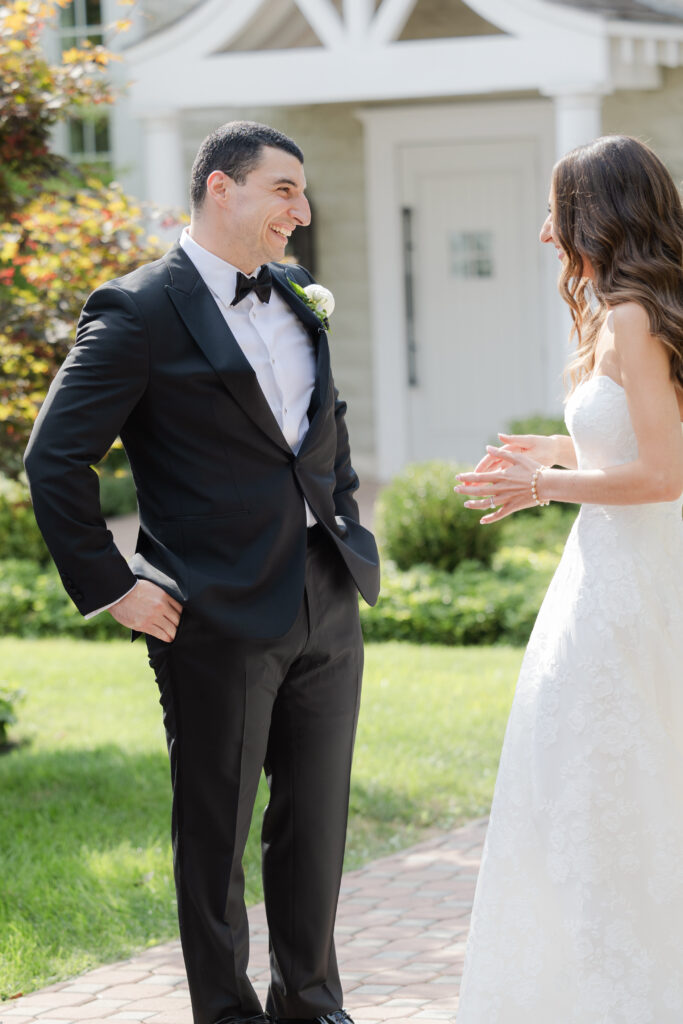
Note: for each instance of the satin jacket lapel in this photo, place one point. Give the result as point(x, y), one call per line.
point(281, 283)
point(203, 319)
point(314, 328)
point(322, 378)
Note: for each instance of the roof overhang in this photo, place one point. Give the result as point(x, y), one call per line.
point(547, 47)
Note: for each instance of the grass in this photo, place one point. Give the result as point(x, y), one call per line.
point(85, 856)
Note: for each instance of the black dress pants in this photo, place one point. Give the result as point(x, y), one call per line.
point(231, 708)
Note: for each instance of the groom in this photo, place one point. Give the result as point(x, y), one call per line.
point(217, 377)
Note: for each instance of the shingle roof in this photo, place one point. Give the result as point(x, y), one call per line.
point(659, 11)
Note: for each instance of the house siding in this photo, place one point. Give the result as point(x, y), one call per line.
point(656, 117)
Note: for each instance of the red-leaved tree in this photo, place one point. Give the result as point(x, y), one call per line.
point(62, 231)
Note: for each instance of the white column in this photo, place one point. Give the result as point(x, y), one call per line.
point(578, 119)
point(166, 183)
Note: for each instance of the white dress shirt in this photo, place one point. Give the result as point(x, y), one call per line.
point(272, 338)
point(274, 341)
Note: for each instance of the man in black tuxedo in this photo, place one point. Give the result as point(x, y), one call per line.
point(216, 375)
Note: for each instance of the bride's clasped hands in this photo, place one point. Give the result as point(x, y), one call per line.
point(510, 478)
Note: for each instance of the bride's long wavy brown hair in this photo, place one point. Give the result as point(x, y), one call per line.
point(615, 204)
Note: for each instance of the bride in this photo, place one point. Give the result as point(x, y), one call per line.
point(578, 914)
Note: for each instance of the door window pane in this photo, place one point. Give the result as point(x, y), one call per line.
point(471, 254)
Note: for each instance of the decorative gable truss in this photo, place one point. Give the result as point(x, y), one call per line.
point(202, 61)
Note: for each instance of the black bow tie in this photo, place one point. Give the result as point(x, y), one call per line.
point(261, 285)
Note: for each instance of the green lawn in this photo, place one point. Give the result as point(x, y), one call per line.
point(84, 850)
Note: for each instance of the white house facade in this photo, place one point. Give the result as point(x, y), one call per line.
point(430, 128)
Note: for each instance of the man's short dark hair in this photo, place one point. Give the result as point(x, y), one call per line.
point(235, 148)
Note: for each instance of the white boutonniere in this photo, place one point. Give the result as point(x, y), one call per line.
point(319, 300)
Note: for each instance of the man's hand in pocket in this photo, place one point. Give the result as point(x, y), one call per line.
point(149, 609)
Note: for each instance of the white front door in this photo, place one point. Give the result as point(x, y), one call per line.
point(475, 350)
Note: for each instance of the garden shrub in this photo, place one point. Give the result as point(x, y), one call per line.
point(117, 490)
point(19, 533)
point(537, 425)
point(33, 603)
point(471, 605)
point(420, 521)
point(9, 698)
point(543, 529)
point(117, 494)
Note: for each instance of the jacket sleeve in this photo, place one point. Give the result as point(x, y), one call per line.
point(98, 386)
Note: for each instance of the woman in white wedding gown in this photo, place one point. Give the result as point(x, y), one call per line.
point(578, 914)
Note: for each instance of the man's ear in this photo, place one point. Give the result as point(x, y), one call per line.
point(219, 187)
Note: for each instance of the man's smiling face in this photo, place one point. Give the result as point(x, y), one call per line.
point(263, 212)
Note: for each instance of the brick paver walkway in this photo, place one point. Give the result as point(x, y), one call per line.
point(401, 931)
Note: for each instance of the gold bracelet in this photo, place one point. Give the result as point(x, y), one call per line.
point(534, 492)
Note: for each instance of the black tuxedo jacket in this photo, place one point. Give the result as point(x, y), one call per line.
point(222, 521)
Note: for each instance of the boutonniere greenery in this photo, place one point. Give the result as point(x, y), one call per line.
point(319, 300)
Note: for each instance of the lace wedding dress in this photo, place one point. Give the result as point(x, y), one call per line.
point(578, 915)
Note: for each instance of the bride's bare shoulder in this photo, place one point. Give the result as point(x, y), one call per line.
point(628, 319)
point(633, 340)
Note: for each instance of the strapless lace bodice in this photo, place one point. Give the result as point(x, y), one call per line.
point(598, 420)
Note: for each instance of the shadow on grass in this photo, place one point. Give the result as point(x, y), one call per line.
point(12, 745)
point(383, 820)
point(85, 856)
point(87, 793)
point(85, 859)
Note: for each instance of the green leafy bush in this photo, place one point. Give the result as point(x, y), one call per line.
point(34, 603)
point(19, 533)
point(117, 493)
point(537, 425)
point(542, 529)
point(420, 521)
point(117, 490)
point(9, 698)
point(471, 605)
